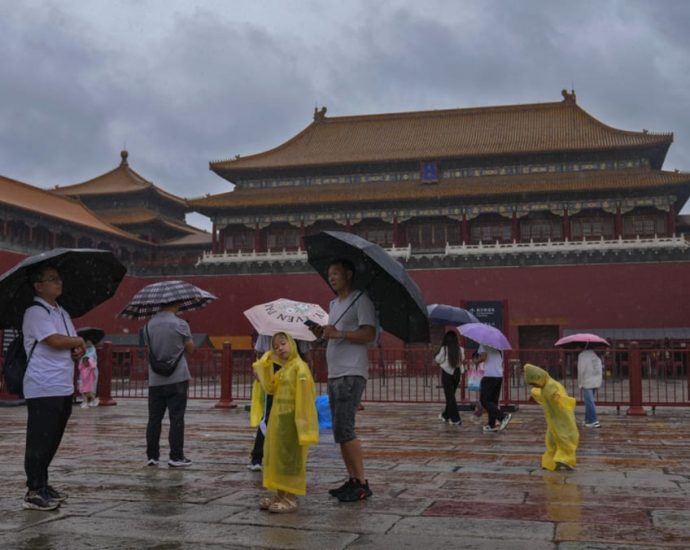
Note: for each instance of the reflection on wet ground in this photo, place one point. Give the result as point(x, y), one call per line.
point(435, 485)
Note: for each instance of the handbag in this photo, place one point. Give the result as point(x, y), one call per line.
point(163, 368)
point(474, 377)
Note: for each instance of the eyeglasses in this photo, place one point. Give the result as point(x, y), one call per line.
point(51, 280)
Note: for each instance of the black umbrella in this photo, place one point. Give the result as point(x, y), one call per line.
point(92, 334)
point(397, 298)
point(90, 277)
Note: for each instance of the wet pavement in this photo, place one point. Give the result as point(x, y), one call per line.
point(435, 485)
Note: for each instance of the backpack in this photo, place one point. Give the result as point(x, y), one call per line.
point(16, 361)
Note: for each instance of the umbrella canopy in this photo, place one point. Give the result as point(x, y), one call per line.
point(288, 316)
point(397, 298)
point(90, 277)
point(485, 334)
point(150, 299)
point(577, 340)
point(442, 314)
point(93, 334)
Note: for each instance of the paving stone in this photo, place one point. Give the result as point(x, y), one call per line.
point(433, 487)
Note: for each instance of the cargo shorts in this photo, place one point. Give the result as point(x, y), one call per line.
point(344, 396)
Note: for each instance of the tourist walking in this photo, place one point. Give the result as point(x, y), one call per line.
point(449, 357)
point(490, 388)
point(589, 379)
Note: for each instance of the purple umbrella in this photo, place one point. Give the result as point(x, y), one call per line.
point(485, 334)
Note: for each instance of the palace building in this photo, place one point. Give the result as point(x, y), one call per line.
point(460, 196)
point(539, 217)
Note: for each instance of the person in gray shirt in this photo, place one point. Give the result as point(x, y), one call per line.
point(168, 338)
point(351, 328)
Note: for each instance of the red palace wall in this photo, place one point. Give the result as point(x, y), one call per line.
point(589, 296)
point(643, 295)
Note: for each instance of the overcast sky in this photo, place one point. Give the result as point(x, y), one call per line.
point(181, 82)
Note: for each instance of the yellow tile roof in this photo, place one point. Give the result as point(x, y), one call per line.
point(505, 130)
point(46, 203)
point(458, 188)
point(119, 180)
point(137, 216)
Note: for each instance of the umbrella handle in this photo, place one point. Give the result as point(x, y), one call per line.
point(348, 307)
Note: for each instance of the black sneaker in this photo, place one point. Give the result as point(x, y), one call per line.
point(179, 462)
point(344, 487)
point(357, 491)
point(55, 494)
point(39, 500)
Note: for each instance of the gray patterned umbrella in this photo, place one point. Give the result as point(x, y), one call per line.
point(150, 299)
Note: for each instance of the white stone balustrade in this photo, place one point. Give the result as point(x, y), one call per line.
point(470, 250)
point(298, 255)
point(676, 241)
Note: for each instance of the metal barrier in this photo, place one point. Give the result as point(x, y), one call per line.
point(634, 378)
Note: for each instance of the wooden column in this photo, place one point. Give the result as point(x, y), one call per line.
point(465, 230)
point(515, 228)
point(566, 225)
point(635, 381)
point(225, 401)
point(618, 223)
point(257, 238)
point(221, 241)
point(671, 221)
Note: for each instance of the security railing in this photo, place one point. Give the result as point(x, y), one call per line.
point(634, 378)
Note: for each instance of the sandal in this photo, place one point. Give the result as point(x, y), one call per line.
point(283, 506)
point(265, 502)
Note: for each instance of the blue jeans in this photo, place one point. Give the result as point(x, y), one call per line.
point(590, 407)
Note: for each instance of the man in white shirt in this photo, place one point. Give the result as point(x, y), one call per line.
point(52, 346)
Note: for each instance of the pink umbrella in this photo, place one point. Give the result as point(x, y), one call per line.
point(582, 338)
point(287, 316)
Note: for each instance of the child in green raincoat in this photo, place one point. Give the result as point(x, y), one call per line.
point(562, 436)
point(292, 426)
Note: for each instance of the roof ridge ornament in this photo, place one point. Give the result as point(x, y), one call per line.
point(320, 114)
point(124, 154)
point(569, 98)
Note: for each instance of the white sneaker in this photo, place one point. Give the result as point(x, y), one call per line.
point(179, 463)
point(84, 405)
point(595, 424)
point(488, 429)
point(152, 462)
point(441, 418)
point(505, 421)
point(254, 467)
point(95, 402)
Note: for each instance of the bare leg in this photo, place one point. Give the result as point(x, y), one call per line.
point(354, 461)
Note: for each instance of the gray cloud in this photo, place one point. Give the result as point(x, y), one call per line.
point(181, 85)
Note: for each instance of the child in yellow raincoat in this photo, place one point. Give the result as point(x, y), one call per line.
point(562, 435)
point(292, 426)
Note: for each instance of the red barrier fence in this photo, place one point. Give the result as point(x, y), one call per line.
point(633, 378)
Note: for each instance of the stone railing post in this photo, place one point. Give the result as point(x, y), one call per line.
point(225, 401)
point(635, 376)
